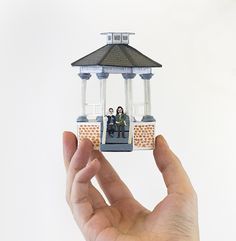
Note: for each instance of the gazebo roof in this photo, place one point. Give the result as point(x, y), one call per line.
point(117, 55)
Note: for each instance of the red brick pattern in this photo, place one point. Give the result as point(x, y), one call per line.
point(90, 131)
point(144, 135)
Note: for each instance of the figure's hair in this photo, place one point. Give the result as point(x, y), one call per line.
point(119, 107)
point(111, 109)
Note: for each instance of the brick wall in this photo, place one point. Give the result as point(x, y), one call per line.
point(90, 131)
point(144, 135)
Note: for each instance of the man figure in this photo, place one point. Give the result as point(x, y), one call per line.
point(111, 121)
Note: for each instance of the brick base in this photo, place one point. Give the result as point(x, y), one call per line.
point(90, 131)
point(143, 135)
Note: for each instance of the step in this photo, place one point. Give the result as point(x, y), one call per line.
point(116, 147)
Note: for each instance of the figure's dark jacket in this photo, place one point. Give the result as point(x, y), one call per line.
point(111, 119)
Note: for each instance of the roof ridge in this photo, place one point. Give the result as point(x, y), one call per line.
point(130, 59)
point(105, 55)
point(145, 56)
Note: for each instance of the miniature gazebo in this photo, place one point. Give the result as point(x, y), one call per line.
point(117, 57)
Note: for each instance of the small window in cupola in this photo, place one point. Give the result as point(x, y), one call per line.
point(125, 38)
point(109, 38)
point(117, 38)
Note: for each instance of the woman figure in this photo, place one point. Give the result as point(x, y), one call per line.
point(120, 121)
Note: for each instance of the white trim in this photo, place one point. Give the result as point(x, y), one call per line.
point(142, 70)
point(145, 123)
point(114, 70)
point(89, 123)
point(130, 132)
point(90, 69)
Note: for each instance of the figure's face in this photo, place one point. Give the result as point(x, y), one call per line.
point(119, 110)
point(111, 111)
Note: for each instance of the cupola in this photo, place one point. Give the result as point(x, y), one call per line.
point(117, 37)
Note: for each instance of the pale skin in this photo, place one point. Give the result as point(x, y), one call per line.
point(124, 218)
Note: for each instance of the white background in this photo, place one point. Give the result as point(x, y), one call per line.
point(193, 100)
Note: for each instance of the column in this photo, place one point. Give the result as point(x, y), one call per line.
point(129, 101)
point(128, 92)
point(126, 96)
point(84, 77)
point(147, 98)
point(102, 77)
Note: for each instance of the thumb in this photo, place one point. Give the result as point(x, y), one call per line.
point(174, 175)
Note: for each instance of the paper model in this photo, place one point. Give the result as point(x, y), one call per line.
point(116, 130)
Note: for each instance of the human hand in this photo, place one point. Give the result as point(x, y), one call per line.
point(125, 219)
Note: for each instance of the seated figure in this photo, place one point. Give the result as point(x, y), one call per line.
point(120, 121)
point(111, 122)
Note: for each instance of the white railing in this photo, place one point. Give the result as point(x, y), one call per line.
point(138, 109)
point(93, 110)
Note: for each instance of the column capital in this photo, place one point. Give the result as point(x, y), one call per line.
point(146, 76)
point(128, 75)
point(102, 75)
point(85, 76)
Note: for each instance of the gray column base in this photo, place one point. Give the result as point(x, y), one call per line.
point(148, 118)
point(82, 118)
point(99, 118)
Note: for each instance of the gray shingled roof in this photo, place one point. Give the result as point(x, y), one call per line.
point(118, 55)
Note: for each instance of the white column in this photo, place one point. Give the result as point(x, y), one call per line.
point(130, 108)
point(126, 97)
point(103, 95)
point(83, 97)
point(129, 101)
point(84, 77)
point(103, 103)
point(103, 76)
point(147, 97)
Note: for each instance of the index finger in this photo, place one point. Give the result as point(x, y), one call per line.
point(78, 162)
point(69, 147)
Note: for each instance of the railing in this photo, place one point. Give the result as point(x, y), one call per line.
point(93, 110)
point(138, 109)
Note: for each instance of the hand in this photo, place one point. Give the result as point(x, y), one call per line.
point(125, 219)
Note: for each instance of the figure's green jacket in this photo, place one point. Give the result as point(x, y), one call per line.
point(120, 119)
